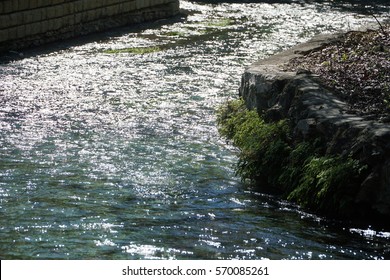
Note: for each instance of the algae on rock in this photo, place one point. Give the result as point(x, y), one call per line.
point(299, 170)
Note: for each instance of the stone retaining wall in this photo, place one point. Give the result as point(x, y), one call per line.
point(316, 112)
point(27, 23)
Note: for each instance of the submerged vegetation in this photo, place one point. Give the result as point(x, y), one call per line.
point(137, 50)
point(203, 31)
point(300, 171)
point(224, 22)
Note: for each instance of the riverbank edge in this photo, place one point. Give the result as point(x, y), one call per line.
point(314, 113)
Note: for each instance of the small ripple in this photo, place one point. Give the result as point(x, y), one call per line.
point(370, 233)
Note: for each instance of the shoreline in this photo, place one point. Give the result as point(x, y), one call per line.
point(342, 169)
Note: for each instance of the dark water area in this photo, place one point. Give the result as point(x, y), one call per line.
point(109, 147)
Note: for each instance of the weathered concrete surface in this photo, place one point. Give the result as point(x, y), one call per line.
point(316, 112)
point(28, 23)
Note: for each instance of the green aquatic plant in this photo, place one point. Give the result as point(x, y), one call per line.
point(299, 155)
point(263, 146)
point(264, 149)
point(298, 170)
point(229, 116)
point(174, 34)
point(135, 50)
point(328, 184)
point(224, 22)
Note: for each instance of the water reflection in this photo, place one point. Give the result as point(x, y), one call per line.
point(116, 155)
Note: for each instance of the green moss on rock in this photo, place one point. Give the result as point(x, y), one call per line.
point(299, 170)
point(263, 146)
point(328, 184)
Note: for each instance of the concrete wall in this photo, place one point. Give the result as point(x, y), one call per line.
point(25, 23)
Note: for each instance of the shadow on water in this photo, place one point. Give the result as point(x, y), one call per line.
point(100, 36)
point(358, 6)
point(279, 213)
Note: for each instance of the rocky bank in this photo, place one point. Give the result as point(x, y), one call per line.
point(314, 111)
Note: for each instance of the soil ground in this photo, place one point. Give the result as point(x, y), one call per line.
point(357, 68)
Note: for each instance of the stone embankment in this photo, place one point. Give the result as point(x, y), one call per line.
point(30, 23)
point(315, 112)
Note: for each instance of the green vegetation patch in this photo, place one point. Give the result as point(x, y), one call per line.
point(328, 184)
point(174, 34)
point(263, 146)
point(298, 170)
point(136, 50)
point(224, 22)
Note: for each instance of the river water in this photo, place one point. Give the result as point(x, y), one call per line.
point(116, 155)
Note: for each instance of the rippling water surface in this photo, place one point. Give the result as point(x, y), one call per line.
point(106, 154)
